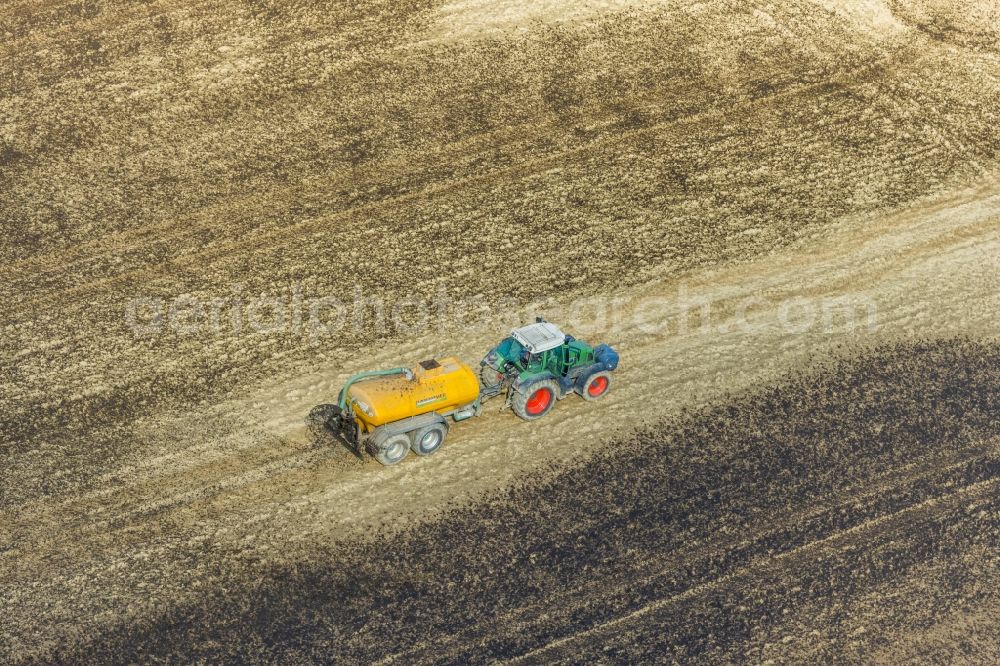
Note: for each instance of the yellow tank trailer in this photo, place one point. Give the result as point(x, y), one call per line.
point(395, 411)
point(432, 386)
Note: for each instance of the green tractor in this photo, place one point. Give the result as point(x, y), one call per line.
point(539, 364)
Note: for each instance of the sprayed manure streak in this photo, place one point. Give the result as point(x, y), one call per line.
point(747, 528)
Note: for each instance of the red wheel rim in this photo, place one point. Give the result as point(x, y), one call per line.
point(598, 386)
point(539, 401)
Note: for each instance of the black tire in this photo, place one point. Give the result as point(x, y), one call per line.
point(596, 386)
point(489, 377)
point(429, 439)
point(393, 449)
point(530, 404)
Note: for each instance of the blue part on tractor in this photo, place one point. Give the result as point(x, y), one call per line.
point(606, 356)
point(567, 384)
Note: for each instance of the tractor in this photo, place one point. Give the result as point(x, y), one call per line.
point(539, 364)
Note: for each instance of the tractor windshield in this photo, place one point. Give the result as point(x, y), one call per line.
point(510, 349)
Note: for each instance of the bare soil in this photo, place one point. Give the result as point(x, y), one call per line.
point(758, 493)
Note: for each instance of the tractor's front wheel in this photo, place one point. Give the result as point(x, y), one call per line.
point(596, 386)
point(489, 377)
point(536, 401)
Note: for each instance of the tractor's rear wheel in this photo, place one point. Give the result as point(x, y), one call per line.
point(429, 439)
point(536, 401)
point(596, 386)
point(393, 449)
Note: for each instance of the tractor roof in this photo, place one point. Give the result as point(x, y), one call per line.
point(540, 337)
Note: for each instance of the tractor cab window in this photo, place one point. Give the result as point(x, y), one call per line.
point(552, 361)
point(570, 357)
point(510, 348)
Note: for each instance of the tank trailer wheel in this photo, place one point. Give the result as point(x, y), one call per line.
point(393, 449)
point(429, 439)
point(537, 401)
point(596, 386)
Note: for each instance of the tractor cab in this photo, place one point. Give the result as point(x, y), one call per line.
point(538, 364)
point(539, 348)
point(540, 344)
point(529, 349)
